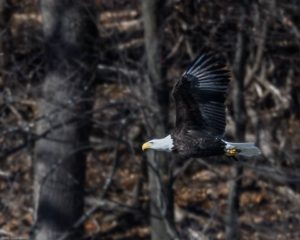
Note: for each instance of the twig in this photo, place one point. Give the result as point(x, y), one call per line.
point(98, 205)
point(5, 175)
point(108, 180)
point(119, 70)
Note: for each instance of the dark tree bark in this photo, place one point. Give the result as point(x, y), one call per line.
point(6, 10)
point(239, 70)
point(59, 158)
point(159, 171)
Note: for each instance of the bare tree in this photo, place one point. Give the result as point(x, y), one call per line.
point(5, 36)
point(239, 70)
point(69, 32)
point(159, 171)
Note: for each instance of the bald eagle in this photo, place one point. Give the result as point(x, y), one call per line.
point(200, 114)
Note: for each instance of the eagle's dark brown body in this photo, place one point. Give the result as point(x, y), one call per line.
point(196, 143)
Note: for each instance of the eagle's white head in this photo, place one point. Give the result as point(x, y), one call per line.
point(163, 144)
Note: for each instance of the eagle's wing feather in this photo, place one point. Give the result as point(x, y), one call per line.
point(200, 95)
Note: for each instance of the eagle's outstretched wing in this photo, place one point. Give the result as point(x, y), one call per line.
point(200, 95)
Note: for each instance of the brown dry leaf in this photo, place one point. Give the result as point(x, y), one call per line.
point(2, 219)
point(257, 219)
point(222, 190)
point(3, 185)
point(91, 226)
point(204, 175)
point(253, 198)
point(11, 226)
point(27, 219)
point(258, 198)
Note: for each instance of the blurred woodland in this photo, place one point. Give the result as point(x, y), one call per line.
point(84, 84)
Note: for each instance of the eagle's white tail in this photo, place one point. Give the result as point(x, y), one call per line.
point(243, 149)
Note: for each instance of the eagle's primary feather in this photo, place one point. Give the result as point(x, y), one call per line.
point(200, 95)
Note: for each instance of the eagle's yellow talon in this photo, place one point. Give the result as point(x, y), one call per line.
point(231, 152)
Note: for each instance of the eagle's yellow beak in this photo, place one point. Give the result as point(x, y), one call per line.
point(146, 146)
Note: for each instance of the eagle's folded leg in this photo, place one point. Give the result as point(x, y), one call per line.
point(231, 152)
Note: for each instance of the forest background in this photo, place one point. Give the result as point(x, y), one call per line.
point(83, 84)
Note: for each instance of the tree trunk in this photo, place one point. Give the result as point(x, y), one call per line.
point(239, 68)
point(59, 158)
point(5, 38)
point(160, 174)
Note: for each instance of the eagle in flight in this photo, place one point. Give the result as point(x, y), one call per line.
point(200, 114)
